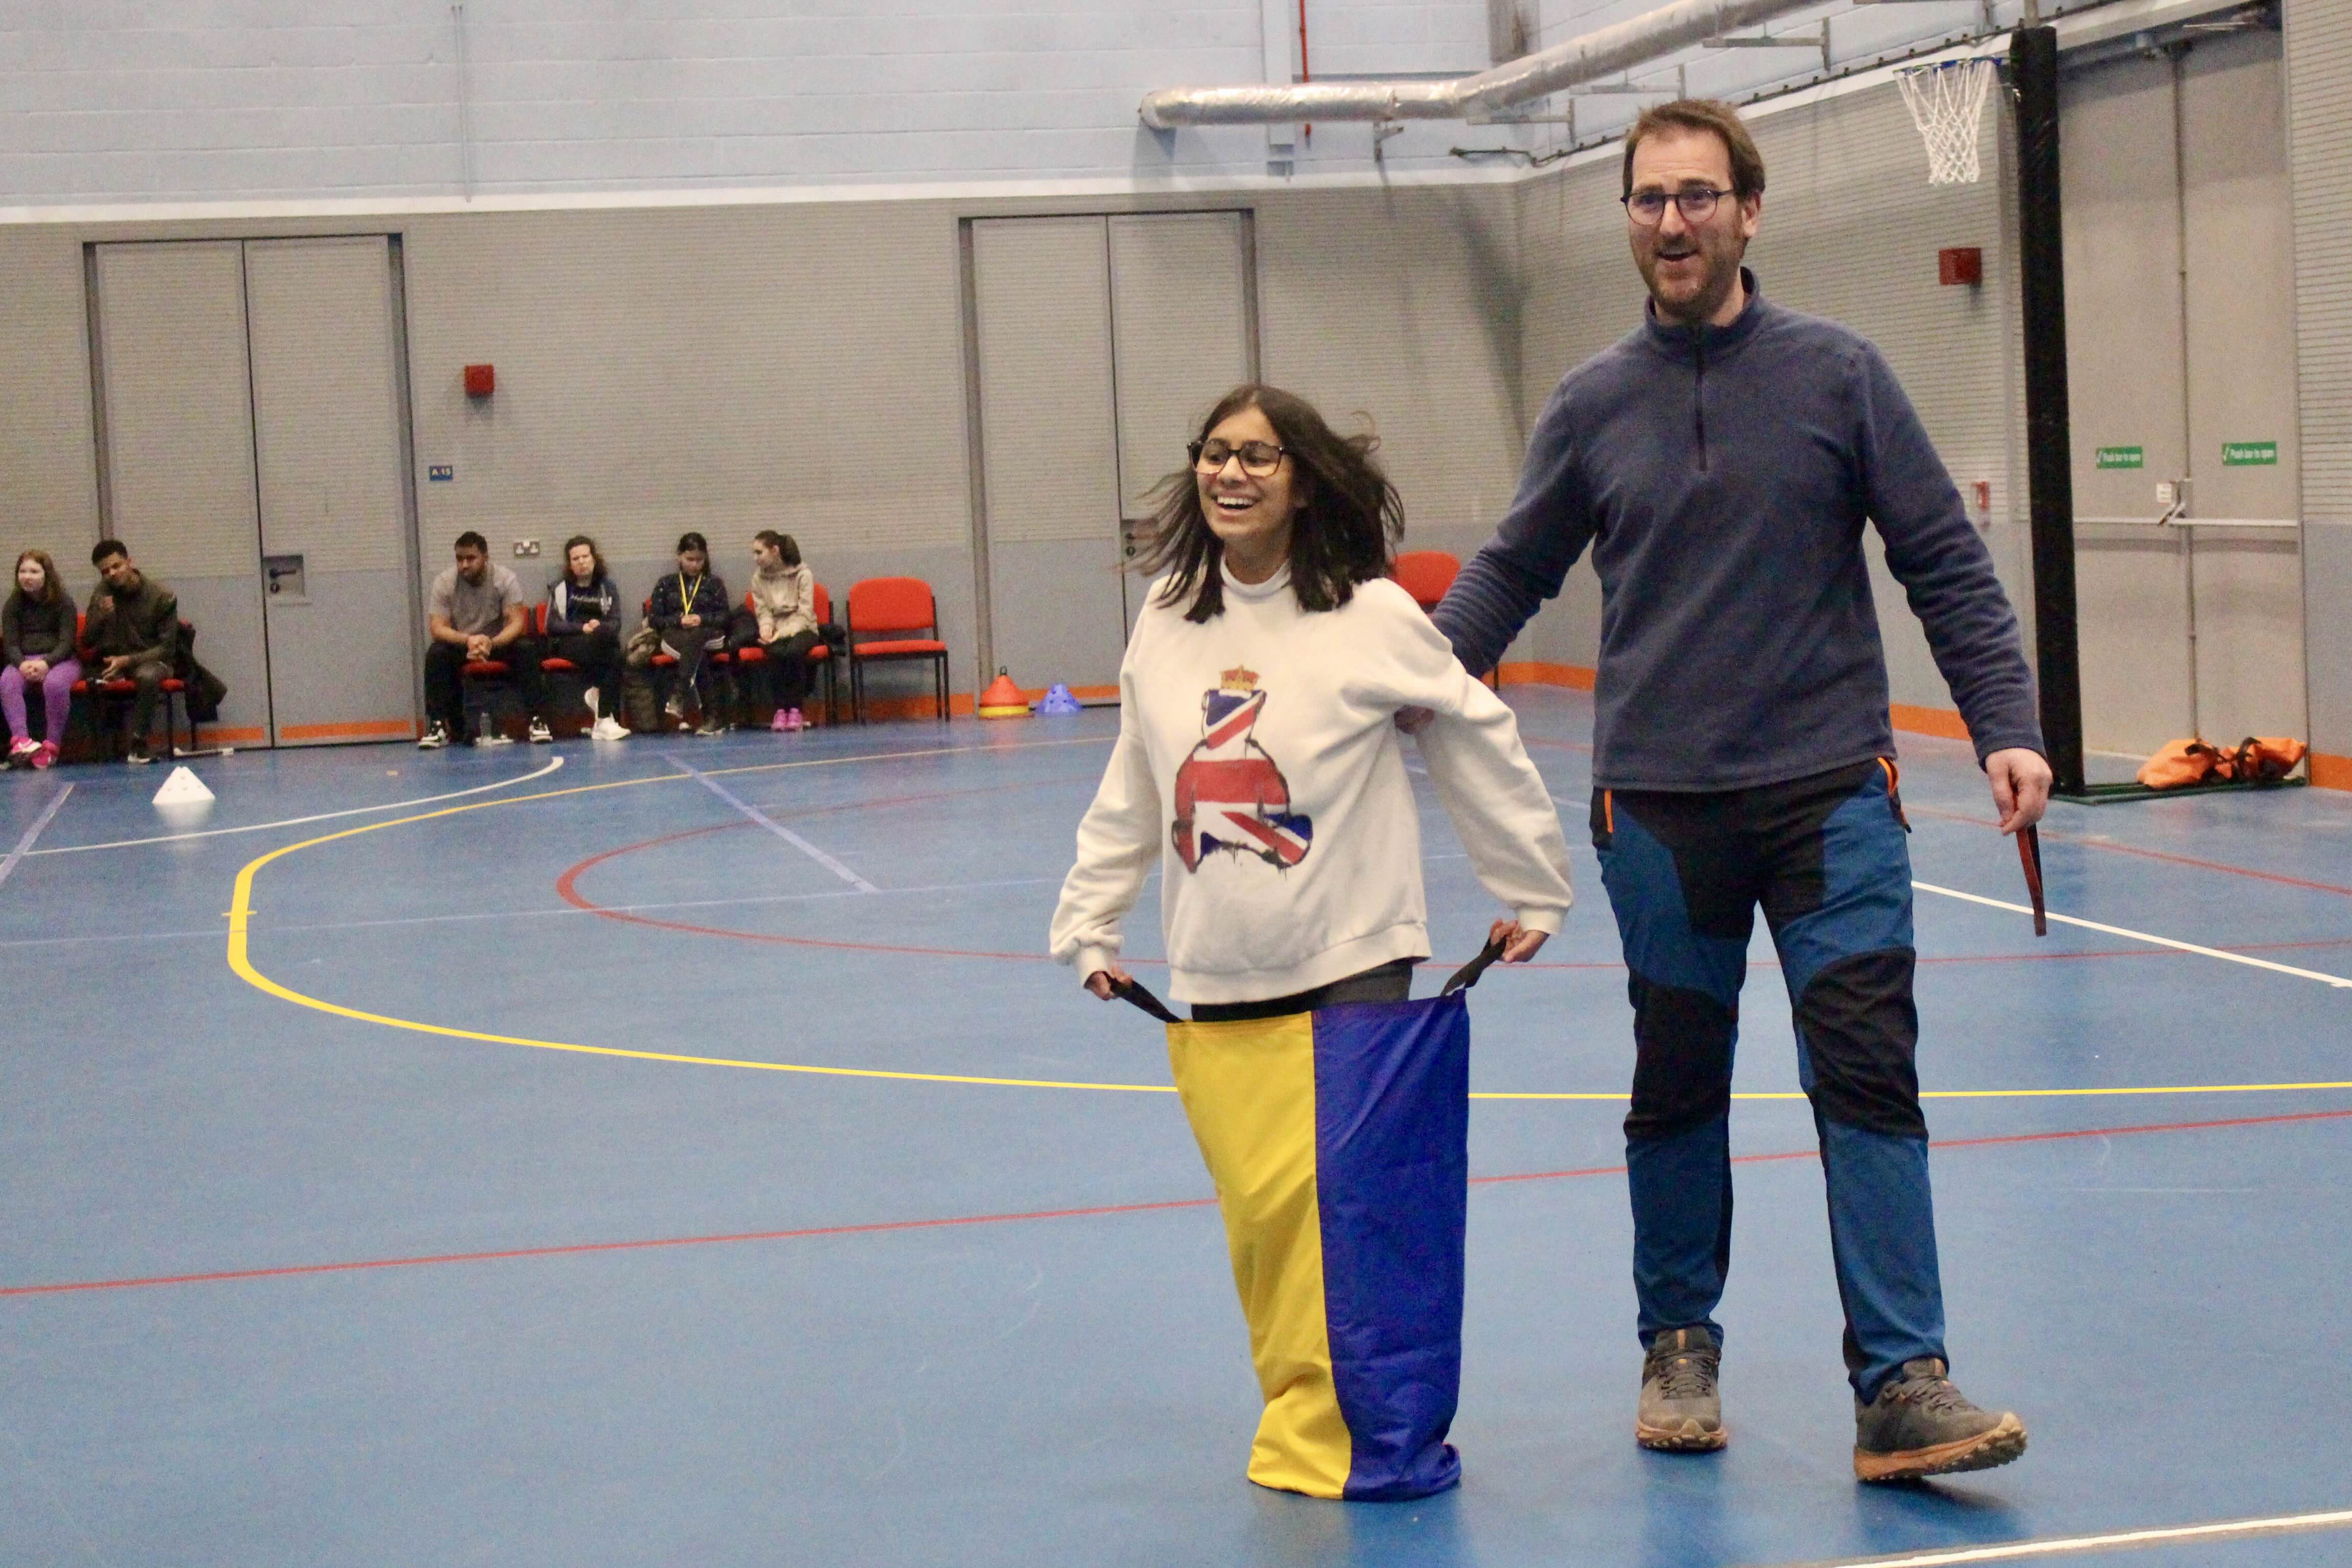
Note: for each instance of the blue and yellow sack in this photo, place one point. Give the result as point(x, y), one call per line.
point(1339, 1142)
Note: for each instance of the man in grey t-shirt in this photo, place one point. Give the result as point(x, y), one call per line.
point(474, 612)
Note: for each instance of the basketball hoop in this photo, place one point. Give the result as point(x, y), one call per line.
point(1947, 101)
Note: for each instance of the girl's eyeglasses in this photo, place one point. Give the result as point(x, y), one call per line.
point(1259, 458)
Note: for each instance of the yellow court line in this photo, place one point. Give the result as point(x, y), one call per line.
point(240, 918)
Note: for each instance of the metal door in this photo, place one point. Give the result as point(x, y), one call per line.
point(175, 418)
point(1182, 337)
point(2181, 357)
point(1097, 344)
point(1049, 454)
point(331, 475)
point(252, 458)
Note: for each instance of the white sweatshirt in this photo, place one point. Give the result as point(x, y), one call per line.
point(1258, 760)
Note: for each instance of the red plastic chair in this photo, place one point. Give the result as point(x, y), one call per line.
point(883, 605)
point(718, 658)
point(1426, 574)
point(818, 654)
point(171, 687)
point(538, 630)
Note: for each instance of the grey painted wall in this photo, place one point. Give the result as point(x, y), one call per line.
point(798, 366)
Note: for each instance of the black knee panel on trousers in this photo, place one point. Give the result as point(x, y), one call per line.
point(1682, 1066)
point(1861, 1029)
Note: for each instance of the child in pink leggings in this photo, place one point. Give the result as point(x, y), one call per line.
point(37, 636)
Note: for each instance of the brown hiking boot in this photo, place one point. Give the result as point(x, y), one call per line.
point(1922, 1426)
point(1680, 1410)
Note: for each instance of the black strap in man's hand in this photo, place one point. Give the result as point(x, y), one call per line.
point(2029, 854)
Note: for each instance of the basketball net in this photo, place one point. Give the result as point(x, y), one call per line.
point(1947, 101)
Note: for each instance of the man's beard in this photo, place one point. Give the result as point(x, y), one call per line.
point(1721, 278)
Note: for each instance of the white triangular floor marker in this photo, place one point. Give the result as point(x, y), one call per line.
point(182, 788)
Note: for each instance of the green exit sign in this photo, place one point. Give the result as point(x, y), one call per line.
point(2250, 455)
point(2122, 457)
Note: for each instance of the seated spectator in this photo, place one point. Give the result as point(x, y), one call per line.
point(36, 631)
point(688, 611)
point(475, 612)
point(781, 625)
point(583, 626)
point(133, 634)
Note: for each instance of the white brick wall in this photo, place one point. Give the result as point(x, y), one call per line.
point(116, 100)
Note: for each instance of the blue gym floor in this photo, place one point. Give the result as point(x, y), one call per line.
point(420, 1185)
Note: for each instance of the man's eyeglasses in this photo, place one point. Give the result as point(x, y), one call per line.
point(1648, 208)
point(1259, 458)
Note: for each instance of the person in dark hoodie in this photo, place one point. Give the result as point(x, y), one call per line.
point(689, 609)
point(1722, 462)
point(583, 627)
point(133, 632)
point(36, 630)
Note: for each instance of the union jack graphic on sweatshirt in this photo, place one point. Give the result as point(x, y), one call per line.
point(1229, 793)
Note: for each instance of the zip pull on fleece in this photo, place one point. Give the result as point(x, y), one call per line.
point(1698, 390)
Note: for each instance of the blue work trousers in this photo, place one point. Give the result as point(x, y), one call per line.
point(1826, 858)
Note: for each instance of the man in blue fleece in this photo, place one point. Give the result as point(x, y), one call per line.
point(1721, 462)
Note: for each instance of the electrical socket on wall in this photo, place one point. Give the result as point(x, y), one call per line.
point(526, 547)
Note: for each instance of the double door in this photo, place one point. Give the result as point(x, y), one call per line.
point(1097, 345)
point(2181, 361)
point(254, 458)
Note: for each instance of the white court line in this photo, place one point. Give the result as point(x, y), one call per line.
point(2277, 1524)
point(773, 826)
point(24, 844)
point(2338, 981)
point(297, 822)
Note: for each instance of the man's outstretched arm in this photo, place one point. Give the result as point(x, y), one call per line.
point(1548, 527)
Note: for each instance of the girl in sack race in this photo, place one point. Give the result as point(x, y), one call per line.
point(1259, 764)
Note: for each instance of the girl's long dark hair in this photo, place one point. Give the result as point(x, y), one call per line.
point(1345, 534)
point(596, 555)
point(52, 588)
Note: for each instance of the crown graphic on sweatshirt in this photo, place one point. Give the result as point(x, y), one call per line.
point(1239, 680)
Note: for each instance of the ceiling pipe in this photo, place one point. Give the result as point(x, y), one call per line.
point(1585, 59)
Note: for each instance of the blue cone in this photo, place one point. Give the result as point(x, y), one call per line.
point(1058, 699)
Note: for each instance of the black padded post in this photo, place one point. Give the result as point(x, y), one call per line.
point(2049, 437)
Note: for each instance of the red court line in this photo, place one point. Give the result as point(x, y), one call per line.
point(2049, 835)
point(567, 887)
point(880, 1226)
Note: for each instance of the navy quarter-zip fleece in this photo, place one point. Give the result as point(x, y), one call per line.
point(1722, 477)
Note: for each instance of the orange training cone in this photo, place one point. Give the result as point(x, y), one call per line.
point(1003, 699)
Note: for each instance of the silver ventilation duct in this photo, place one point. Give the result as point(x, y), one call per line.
point(1589, 58)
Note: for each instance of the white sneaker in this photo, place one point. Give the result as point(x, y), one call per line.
point(539, 734)
point(434, 739)
point(607, 728)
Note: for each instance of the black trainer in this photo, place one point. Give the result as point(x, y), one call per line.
point(1920, 1424)
point(1681, 1412)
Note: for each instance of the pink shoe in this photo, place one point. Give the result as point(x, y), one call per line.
point(793, 721)
point(21, 754)
point(781, 723)
point(44, 754)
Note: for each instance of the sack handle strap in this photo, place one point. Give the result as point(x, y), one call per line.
point(2029, 854)
point(1467, 975)
point(1133, 992)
